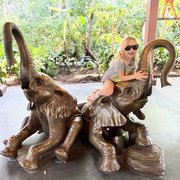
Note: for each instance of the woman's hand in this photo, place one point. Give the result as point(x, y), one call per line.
point(140, 75)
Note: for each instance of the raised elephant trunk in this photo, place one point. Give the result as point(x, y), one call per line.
point(27, 69)
point(144, 62)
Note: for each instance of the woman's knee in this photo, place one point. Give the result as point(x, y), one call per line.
point(110, 91)
point(109, 86)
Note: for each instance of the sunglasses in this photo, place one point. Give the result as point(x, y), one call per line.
point(134, 47)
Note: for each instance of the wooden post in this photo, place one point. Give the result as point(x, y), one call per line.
point(151, 25)
point(151, 20)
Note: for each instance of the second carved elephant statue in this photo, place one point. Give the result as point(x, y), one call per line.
point(106, 113)
point(52, 109)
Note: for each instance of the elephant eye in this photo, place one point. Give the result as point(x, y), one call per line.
point(39, 81)
point(128, 92)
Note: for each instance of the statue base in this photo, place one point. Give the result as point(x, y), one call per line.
point(146, 159)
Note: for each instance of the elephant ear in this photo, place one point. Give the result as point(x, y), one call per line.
point(105, 114)
point(65, 96)
point(60, 106)
point(59, 90)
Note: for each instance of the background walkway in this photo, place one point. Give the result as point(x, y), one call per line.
point(162, 118)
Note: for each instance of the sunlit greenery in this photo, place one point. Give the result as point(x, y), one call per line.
point(54, 31)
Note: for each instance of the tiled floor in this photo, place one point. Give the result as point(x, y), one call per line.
point(162, 118)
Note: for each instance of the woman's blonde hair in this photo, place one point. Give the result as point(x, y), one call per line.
point(119, 54)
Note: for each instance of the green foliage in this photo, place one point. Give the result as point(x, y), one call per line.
point(55, 35)
point(87, 62)
point(3, 65)
point(50, 68)
point(4, 69)
point(43, 60)
point(160, 58)
point(15, 69)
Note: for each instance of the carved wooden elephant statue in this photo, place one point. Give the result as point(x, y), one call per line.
point(52, 108)
point(105, 113)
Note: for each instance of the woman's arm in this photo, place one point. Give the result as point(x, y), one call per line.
point(139, 75)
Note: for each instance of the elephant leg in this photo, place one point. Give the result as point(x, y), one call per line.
point(15, 141)
point(138, 133)
point(63, 150)
point(57, 130)
point(143, 138)
point(25, 121)
point(117, 137)
point(107, 150)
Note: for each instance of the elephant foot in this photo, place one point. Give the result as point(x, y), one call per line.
point(28, 165)
point(109, 164)
point(142, 137)
point(9, 153)
point(61, 154)
point(144, 142)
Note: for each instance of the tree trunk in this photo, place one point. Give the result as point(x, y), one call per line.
point(93, 3)
point(60, 5)
point(67, 3)
point(89, 52)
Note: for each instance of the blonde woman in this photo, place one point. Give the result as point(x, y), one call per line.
point(122, 68)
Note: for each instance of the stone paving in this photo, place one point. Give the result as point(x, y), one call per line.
point(162, 119)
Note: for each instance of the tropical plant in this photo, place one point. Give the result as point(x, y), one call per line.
point(54, 30)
